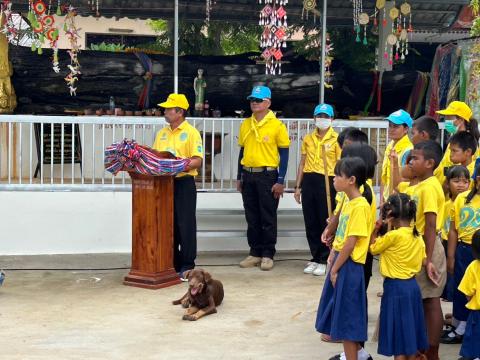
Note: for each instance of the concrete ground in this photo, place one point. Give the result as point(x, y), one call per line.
point(73, 314)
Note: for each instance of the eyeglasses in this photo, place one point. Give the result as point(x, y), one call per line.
point(257, 101)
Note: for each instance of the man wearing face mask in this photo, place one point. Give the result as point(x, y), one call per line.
point(262, 165)
point(311, 187)
point(458, 117)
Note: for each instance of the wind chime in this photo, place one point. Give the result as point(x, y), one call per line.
point(405, 11)
point(208, 9)
point(379, 6)
point(357, 10)
point(328, 62)
point(71, 31)
point(95, 6)
point(273, 18)
point(309, 6)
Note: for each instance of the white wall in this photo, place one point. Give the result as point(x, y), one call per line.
point(100, 222)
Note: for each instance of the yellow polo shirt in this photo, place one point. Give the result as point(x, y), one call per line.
point(312, 148)
point(446, 218)
point(470, 285)
point(401, 253)
point(404, 187)
point(402, 148)
point(261, 139)
point(342, 200)
point(354, 221)
point(429, 197)
point(183, 142)
point(466, 216)
point(446, 162)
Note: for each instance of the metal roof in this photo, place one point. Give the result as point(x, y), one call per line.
point(426, 14)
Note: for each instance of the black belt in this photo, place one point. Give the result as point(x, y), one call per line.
point(259, 169)
point(185, 177)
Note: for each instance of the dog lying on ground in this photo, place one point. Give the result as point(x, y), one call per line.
point(203, 296)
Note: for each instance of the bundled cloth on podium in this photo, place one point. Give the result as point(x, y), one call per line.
point(128, 155)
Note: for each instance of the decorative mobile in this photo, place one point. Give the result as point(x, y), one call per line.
point(363, 20)
point(208, 9)
point(380, 5)
point(357, 10)
point(95, 6)
point(273, 18)
point(71, 31)
point(328, 63)
point(309, 5)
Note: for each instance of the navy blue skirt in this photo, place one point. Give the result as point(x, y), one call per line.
point(447, 294)
point(471, 340)
point(463, 258)
point(342, 312)
point(402, 325)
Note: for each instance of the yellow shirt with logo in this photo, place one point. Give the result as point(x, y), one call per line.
point(401, 253)
point(183, 142)
point(429, 197)
point(312, 148)
point(466, 216)
point(446, 163)
point(261, 139)
point(354, 221)
point(470, 285)
point(404, 187)
point(342, 200)
point(446, 218)
point(402, 148)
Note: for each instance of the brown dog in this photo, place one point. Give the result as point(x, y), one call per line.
point(203, 296)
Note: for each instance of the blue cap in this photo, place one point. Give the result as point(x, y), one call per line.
point(477, 164)
point(323, 109)
point(260, 92)
point(400, 117)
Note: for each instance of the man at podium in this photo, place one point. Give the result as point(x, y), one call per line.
point(184, 141)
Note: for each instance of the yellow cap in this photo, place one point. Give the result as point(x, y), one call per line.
point(458, 108)
point(175, 100)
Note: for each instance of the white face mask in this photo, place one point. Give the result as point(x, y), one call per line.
point(323, 124)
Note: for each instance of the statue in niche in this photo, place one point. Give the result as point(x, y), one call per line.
point(199, 85)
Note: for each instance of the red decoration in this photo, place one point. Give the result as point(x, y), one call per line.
point(39, 7)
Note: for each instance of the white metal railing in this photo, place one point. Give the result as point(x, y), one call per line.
point(65, 153)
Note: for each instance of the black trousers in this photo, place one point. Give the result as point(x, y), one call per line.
point(260, 212)
point(315, 213)
point(185, 223)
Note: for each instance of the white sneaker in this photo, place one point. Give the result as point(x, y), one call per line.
point(310, 267)
point(320, 270)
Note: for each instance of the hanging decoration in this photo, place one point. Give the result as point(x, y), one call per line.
point(309, 6)
point(208, 9)
point(379, 6)
point(94, 6)
point(71, 31)
point(328, 62)
point(363, 20)
point(392, 39)
point(357, 10)
point(273, 18)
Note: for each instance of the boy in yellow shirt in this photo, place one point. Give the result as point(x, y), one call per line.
point(463, 147)
point(398, 124)
point(430, 199)
point(470, 286)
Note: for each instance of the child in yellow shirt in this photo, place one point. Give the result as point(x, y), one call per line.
point(458, 181)
point(430, 199)
point(342, 311)
point(470, 286)
point(462, 150)
point(465, 220)
point(402, 331)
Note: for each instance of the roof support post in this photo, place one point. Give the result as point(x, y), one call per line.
point(323, 52)
point(175, 50)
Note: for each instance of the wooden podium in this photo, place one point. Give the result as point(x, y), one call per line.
point(152, 232)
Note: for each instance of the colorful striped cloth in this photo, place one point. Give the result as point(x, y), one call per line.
point(130, 156)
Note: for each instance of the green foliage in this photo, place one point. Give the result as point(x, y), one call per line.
point(354, 54)
point(218, 38)
point(107, 47)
